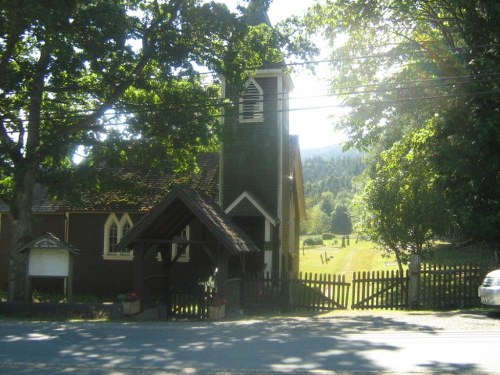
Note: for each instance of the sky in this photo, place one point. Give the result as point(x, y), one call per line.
point(310, 107)
point(312, 112)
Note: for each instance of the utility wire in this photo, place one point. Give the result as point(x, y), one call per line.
point(217, 103)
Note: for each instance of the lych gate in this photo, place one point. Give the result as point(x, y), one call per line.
point(193, 239)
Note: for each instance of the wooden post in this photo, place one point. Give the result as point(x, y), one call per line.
point(139, 270)
point(70, 279)
point(222, 264)
point(414, 282)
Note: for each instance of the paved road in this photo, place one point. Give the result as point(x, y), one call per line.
point(342, 342)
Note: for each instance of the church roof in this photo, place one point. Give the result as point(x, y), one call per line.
point(177, 209)
point(141, 189)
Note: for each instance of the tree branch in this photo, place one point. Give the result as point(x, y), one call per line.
point(6, 141)
point(36, 96)
point(88, 122)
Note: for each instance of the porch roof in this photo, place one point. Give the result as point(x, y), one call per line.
point(176, 211)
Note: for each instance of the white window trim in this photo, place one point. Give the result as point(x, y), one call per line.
point(184, 258)
point(124, 255)
point(258, 107)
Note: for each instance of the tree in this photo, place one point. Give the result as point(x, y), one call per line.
point(117, 79)
point(403, 203)
point(403, 64)
point(327, 202)
point(341, 221)
point(317, 221)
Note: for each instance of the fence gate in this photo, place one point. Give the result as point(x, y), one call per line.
point(307, 291)
point(319, 292)
point(380, 290)
point(187, 303)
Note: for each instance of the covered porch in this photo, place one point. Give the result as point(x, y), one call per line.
point(185, 251)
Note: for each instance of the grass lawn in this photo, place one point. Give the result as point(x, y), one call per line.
point(365, 256)
point(359, 256)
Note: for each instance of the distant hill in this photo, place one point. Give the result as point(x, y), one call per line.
point(328, 152)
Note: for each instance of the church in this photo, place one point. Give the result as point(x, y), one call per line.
point(239, 214)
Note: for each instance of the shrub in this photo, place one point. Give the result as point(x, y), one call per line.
point(313, 241)
point(327, 236)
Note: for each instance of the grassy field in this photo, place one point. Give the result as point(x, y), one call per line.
point(365, 256)
point(359, 256)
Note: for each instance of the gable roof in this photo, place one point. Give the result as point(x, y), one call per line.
point(49, 241)
point(178, 209)
point(246, 196)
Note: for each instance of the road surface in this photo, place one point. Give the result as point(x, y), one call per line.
point(452, 342)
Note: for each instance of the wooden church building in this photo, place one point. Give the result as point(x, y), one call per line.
point(240, 214)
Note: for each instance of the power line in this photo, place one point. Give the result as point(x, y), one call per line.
point(340, 105)
point(382, 87)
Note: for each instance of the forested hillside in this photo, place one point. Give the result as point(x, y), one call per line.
point(329, 189)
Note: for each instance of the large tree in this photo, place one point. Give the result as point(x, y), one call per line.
point(403, 64)
point(115, 79)
point(403, 205)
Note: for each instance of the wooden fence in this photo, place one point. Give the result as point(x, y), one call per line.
point(319, 292)
point(308, 291)
point(380, 290)
point(445, 286)
point(187, 303)
point(440, 286)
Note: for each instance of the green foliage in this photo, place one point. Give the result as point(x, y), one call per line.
point(313, 241)
point(317, 221)
point(325, 178)
point(118, 80)
point(327, 236)
point(341, 221)
point(407, 68)
point(403, 203)
point(328, 184)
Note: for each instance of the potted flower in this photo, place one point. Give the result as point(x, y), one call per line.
point(216, 307)
point(130, 302)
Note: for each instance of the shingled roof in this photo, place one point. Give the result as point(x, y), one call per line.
point(178, 209)
point(143, 189)
point(140, 191)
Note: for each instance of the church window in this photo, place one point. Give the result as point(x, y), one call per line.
point(114, 230)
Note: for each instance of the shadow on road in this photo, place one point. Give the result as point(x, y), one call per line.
point(277, 344)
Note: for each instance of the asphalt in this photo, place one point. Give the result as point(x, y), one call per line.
point(389, 342)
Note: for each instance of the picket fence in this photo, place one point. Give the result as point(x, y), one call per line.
point(380, 290)
point(440, 287)
point(444, 286)
point(308, 291)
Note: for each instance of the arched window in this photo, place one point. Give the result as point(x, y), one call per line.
point(252, 102)
point(113, 236)
point(114, 230)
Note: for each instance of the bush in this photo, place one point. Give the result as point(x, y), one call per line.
point(313, 241)
point(327, 236)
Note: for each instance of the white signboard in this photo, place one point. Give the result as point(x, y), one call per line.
point(48, 262)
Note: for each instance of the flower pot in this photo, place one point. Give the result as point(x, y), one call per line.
point(131, 308)
point(216, 312)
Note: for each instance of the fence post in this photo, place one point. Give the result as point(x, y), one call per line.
point(414, 282)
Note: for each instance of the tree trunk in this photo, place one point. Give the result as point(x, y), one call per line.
point(398, 259)
point(21, 233)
